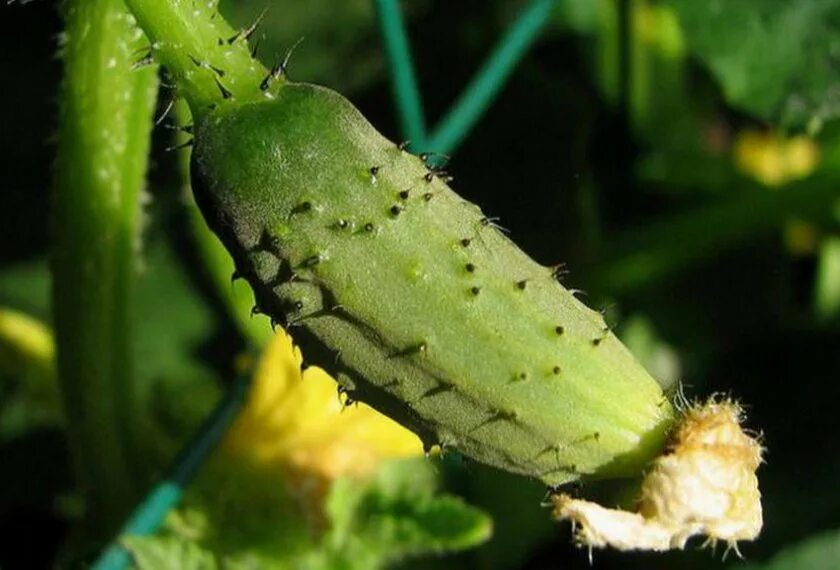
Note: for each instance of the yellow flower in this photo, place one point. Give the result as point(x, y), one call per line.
point(26, 337)
point(773, 159)
point(297, 423)
point(27, 353)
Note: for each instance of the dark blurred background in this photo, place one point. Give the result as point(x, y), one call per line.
point(634, 169)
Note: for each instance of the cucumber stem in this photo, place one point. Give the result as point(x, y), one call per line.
point(208, 60)
point(103, 146)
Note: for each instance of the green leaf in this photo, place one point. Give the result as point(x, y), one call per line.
point(168, 553)
point(26, 287)
point(820, 552)
point(827, 284)
point(246, 513)
point(773, 58)
point(398, 514)
point(640, 336)
point(175, 386)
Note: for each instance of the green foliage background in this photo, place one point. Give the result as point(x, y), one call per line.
point(614, 155)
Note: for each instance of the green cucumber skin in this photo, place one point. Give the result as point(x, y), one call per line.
point(415, 303)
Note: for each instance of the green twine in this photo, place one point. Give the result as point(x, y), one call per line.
point(150, 514)
point(478, 94)
point(403, 78)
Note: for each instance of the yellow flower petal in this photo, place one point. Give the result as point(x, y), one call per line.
point(27, 336)
point(297, 422)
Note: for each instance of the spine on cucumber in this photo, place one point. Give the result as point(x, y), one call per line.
point(413, 299)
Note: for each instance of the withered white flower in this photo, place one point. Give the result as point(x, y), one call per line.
point(704, 484)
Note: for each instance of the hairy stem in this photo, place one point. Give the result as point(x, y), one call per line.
point(104, 135)
point(208, 60)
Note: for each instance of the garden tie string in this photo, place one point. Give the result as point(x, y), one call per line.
point(476, 96)
point(148, 517)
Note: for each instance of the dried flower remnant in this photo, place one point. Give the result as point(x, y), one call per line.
point(704, 484)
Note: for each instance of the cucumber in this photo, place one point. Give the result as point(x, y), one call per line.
point(412, 298)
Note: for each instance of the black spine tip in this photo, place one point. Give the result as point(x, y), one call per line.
point(274, 73)
point(312, 261)
point(223, 90)
point(185, 144)
point(302, 208)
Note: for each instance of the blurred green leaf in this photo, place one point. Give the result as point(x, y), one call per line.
point(176, 382)
point(249, 518)
point(579, 16)
point(671, 244)
point(820, 552)
point(773, 58)
point(168, 553)
point(246, 513)
point(398, 514)
point(828, 280)
point(26, 287)
point(660, 359)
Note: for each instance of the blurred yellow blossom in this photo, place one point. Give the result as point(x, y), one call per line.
point(773, 159)
point(27, 357)
point(297, 423)
point(27, 337)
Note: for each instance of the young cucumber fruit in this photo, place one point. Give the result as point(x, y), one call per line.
point(412, 299)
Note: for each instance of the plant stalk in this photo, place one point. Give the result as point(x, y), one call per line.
point(208, 60)
point(106, 116)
